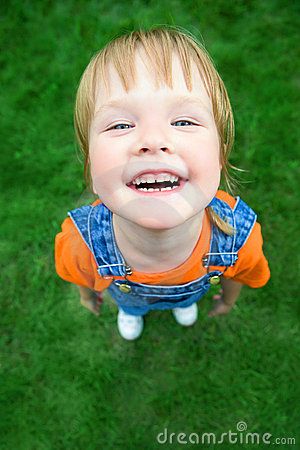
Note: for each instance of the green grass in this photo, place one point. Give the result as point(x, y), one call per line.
point(68, 380)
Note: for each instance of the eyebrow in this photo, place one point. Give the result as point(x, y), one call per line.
point(186, 99)
point(177, 101)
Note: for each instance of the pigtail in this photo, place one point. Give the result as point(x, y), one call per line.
point(220, 223)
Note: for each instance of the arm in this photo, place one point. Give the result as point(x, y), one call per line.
point(71, 254)
point(229, 294)
point(89, 299)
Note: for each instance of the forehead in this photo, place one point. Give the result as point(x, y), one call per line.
point(147, 82)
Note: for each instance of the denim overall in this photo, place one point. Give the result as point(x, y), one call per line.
point(94, 224)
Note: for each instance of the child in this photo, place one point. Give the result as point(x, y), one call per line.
point(154, 122)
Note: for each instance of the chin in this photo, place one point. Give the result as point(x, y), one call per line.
point(155, 223)
point(154, 214)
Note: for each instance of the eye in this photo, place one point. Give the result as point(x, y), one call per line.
point(182, 123)
point(120, 126)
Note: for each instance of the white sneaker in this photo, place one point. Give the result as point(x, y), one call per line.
point(130, 327)
point(186, 316)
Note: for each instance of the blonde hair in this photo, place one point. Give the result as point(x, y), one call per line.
point(159, 45)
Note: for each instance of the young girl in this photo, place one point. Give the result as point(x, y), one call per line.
point(154, 122)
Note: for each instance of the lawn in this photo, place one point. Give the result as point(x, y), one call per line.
point(68, 380)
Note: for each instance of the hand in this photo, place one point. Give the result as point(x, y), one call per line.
point(220, 307)
point(92, 303)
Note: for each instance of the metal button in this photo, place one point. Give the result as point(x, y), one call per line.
point(124, 288)
point(204, 261)
point(214, 280)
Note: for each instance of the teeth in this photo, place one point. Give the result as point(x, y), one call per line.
point(137, 181)
point(167, 177)
point(157, 190)
point(161, 177)
point(152, 178)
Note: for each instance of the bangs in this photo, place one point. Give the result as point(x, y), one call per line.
point(158, 47)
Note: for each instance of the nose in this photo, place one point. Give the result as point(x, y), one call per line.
point(154, 143)
point(151, 149)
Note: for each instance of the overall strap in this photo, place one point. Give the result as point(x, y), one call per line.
point(224, 248)
point(81, 217)
point(245, 219)
point(94, 224)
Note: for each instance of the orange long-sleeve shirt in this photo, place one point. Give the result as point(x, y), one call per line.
point(76, 264)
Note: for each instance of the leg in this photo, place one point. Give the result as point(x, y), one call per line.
point(186, 316)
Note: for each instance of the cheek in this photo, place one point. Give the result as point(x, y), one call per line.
point(101, 158)
point(204, 161)
point(106, 171)
point(204, 166)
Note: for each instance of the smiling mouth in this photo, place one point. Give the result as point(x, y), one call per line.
point(158, 188)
